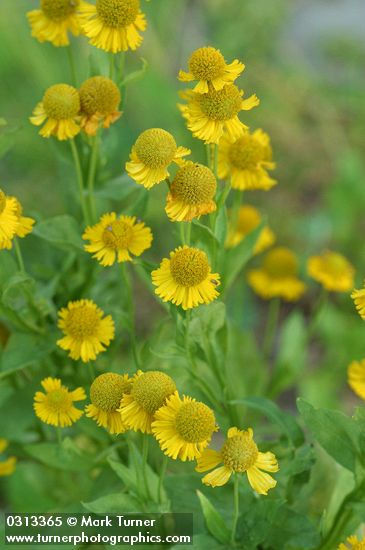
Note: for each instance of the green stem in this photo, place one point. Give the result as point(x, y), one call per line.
point(19, 255)
point(182, 233)
point(188, 233)
point(91, 175)
point(121, 67)
point(91, 371)
point(131, 312)
point(72, 65)
point(235, 210)
point(144, 465)
point(80, 180)
point(236, 507)
point(318, 308)
point(271, 325)
point(59, 435)
point(111, 66)
point(162, 477)
point(208, 152)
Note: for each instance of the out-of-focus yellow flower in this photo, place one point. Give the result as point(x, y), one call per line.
point(358, 297)
point(114, 25)
point(208, 66)
point(353, 543)
point(332, 270)
point(185, 278)
point(239, 454)
point(151, 155)
point(115, 239)
point(56, 405)
point(278, 276)
point(12, 222)
point(191, 193)
point(53, 21)
point(246, 160)
point(106, 394)
point(99, 98)
point(356, 377)
point(149, 392)
point(7, 466)
point(87, 332)
point(59, 108)
point(248, 219)
point(183, 427)
point(210, 114)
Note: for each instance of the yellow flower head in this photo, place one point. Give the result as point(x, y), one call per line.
point(185, 278)
point(114, 25)
point(25, 224)
point(278, 276)
point(115, 239)
point(248, 219)
point(183, 427)
point(99, 98)
point(246, 160)
point(12, 222)
point(54, 20)
point(7, 466)
point(149, 392)
point(332, 270)
point(208, 66)
point(239, 454)
point(356, 377)
point(87, 332)
point(106, 393)
point(208, 115)
point(151, 155)
point(191, 193)
point(353, 543)
point(358, 297)
point(56, 405)
point(60, 107)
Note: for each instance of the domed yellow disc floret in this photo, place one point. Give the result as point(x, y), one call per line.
point(194, 184)
point(156, 148)
point(195, 422)
point(118, 235)
point(207, 64)
point(189, 266)
point(221, 104)
point(151, 389)
point(55, 406)
point(61, 102)
point(118, 13)
point(99, 95)
point(59, 9)
point(240, 452)
point(281, 262)
point(82, 321)
point(246, 152)
point(107, 391)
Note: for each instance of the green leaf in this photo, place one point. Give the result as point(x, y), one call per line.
point(66, 456)
point(119, 189)
point(221, 227)
point(114, 503)
point(135, 76)
point(203, 542)
point(7, 136)
point(23, 350)
point(15, 288)
point(60, 231)
point(215, 523)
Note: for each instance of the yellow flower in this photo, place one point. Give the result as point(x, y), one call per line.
point(106, 393)
point(149, 392)
point(183, 427)
point(278, 276)
point(54, 20)
point(246, 160)
point(7, 466)
point(356, 377)
point(354, 542)
point(191, 193)
point(87, 332)
point(113, 25)
point(248, 219)
point(60, 107)
point(25, 224)
point(151, 155)
point(9, 220)
point(358, 297)
point(186, 279)
point(56, 405)
point(239, 454)
point(208, 66)
point(332, 270)
point(115, 239)
point(209, 115)
point(99, 98)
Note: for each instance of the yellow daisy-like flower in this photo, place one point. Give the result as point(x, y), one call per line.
point(186, 279)
point(25, 224)
point(356, 377)
point(208, 115)
point(183, 427)
point(358, 297)
point(248, 219)
point(239, 454)
point(9, 220)
point(106, 393)
point(191, 193)
point(7, 466)
point(53, 21)
point(56, 405)
point(99, 98)
point(353, 543)
point(332, 270)
point(59, 108)
point(246, 160)
point(115, 239)
point(114, 25)
point(278, 276)
point(151, 155)
point(87, 332)
point(208, 66)
point(149, 392)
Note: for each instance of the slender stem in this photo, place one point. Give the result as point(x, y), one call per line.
point(208, 151)
point(162, 477)
point(111, 66)
point(71, 61)
point(182, 233)
point(80, 180)
point(59, 435)
point(91, 175)
point(19, 255)
point(236, 506)
point(131, 312)
point(144, 465)
point(272, 321)
point(188, 233)
point(91, 371)
point(121, 67)
point(235, 210)
point(317, 310)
